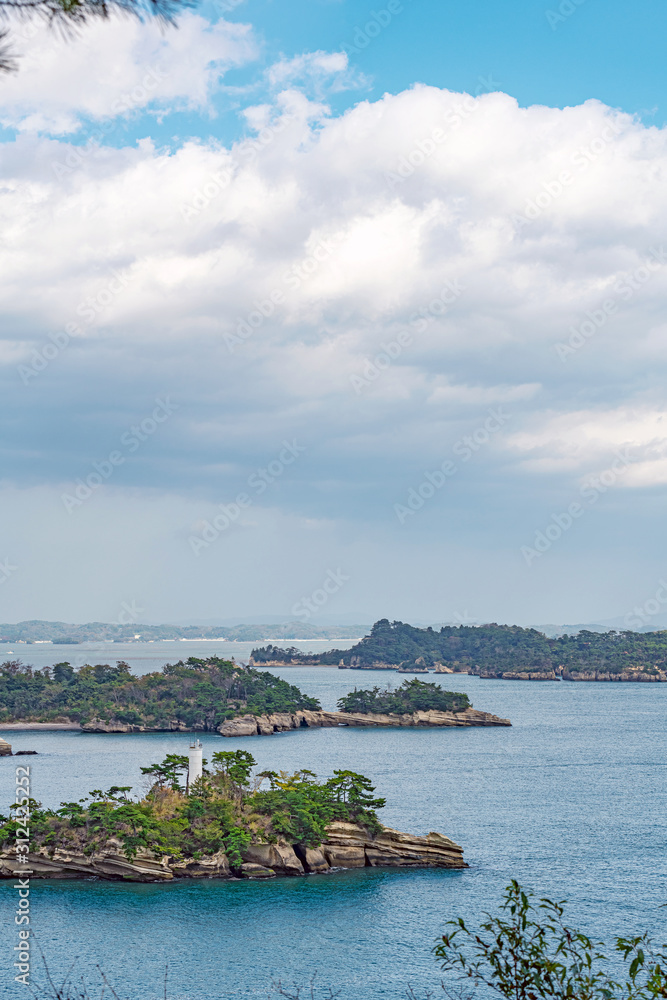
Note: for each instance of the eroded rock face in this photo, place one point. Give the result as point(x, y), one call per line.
point(216, 866)
point(348, 845)
point(281, 722)
point(625, 675)
point(256, 871)
point(393, 848)
point(280, 857)
point(312, 859)
point(5, 748)
point(116, 726)
point(469, 717)
point(523, 675)
point(110, 864)
point(339, 856)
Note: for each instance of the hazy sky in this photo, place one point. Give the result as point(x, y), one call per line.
point(336, 308)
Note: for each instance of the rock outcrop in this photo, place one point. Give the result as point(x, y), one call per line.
point(109, 864)
point(5, 748)
point(625, 675)
point(282, 722)
point(392, 848)
point(250, 725)
point(281, 858)
point(528, 675)
point(116, 726)
point(348, 845)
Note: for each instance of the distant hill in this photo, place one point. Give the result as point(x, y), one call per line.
point(40, 631)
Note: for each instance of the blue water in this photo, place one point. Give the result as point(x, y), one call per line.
point(571, 801)
point(146, 656)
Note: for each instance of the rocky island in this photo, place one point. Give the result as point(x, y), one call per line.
point(222, 824)
point(493, 652)
point(212, 695)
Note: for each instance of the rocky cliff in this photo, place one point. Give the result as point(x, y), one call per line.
point(624, 675)
point(281, 722)
point(348, 845)
point(5, 748)
point(265, 724)
point(519, 675)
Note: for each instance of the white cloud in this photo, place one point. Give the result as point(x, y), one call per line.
point(582, 440)
point(116, 67)
point(262, 277)
point(325, 71)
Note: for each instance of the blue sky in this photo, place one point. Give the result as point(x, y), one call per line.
point(284, 295)
point(555, 54)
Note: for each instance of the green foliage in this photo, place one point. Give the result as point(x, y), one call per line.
point(235, 766)
point(412, 696)
point(167, 773)
point(62, 672)
point(354, 798)
point(294, 656)
point(492, 650)
point(301, 807)
point(199, 694)
point(527, 952)
point(221, 813)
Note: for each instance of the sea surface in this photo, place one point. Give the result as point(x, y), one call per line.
point(143, 657)
point(571, 801)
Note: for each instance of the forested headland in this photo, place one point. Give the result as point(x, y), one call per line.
point(494, 651)
point(226, 823)
point(196, 694)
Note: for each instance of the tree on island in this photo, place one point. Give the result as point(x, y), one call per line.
point(412, 696)
point(224, 811)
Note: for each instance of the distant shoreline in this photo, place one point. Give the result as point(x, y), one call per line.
point(21, 726)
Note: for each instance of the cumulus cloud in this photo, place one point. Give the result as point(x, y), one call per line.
point(116, 67)
point(374, 285)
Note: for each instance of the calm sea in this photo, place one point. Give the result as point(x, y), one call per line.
point(146, 656)
point(571, 801)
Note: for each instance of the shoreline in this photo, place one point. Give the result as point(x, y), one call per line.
point(279, 722)
point(348, 845)
point(18, 727)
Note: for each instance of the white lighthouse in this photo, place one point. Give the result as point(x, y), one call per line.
point(194, 762)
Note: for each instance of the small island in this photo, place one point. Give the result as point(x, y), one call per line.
point(221, 823)
point(493, 652)
point(212, 695)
